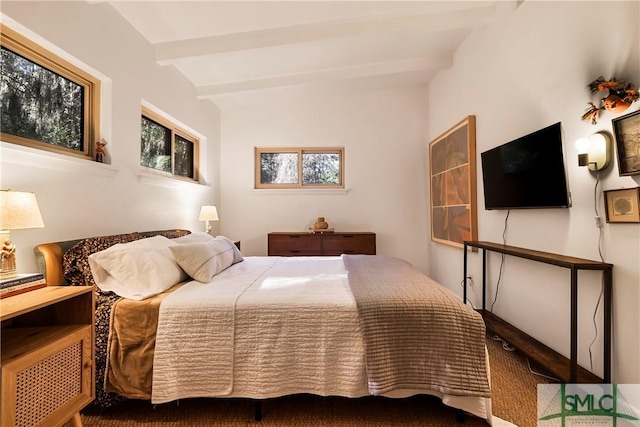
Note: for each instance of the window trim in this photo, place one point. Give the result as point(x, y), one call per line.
point(175, 130)
point(300, 151)
point(37, 54)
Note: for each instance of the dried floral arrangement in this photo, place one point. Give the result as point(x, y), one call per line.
point(620, 96)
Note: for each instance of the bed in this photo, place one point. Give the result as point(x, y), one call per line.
point(263, 327)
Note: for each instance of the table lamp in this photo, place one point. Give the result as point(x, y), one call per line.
point(208, 213)
point(18, 209)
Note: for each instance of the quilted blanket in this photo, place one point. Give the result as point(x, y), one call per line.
point(273, 326)
point(267, 327)
point(417, 334)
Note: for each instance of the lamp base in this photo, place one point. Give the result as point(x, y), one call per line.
point(8, 274)
point(8, 259)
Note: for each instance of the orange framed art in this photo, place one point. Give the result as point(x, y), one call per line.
point(453, 192)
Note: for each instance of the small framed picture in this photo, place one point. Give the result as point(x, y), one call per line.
point(627, 132)
point(622, 205)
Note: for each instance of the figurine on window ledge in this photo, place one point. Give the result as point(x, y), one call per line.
point(100, 151)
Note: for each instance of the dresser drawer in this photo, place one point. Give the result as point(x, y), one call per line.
point(349, 243)
point(302, 244)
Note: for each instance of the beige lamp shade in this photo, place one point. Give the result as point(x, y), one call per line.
point(208, 213)
point(19, 209)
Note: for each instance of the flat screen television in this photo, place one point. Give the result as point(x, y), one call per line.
point(526, 173)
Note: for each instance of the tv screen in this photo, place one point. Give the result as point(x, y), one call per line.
point(527, 172)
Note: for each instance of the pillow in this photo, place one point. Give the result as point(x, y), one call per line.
point(137, 270)
point(75, 263)
point(196, 237)
point(237, 255)
point(203, 260)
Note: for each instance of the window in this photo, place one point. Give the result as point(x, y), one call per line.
point(299, 167)
point(45, 101)
point(167, 148)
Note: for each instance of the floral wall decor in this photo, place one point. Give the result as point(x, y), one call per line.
point(619, 95)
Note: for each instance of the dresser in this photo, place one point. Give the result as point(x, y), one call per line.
point(320, 244)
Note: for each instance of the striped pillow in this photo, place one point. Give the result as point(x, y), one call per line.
point(203, 260)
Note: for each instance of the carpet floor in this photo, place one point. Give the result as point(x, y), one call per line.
point(514, 399)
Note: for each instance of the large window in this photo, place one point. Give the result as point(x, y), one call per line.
point(299, 167)
point(46, 102)
point(167, 148)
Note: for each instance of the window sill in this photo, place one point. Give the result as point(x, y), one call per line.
point(17, 154)
point(300, 191)
point(152, 178)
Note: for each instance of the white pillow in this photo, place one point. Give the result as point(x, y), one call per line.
point(199, 236)
point(237, 255)
point(203, 260)
point(138, 269)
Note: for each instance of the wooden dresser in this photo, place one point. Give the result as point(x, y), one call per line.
point(320, 244)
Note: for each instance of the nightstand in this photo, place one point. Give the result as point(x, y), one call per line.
point(48, 373)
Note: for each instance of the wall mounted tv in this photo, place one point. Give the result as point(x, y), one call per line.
point(527, 172)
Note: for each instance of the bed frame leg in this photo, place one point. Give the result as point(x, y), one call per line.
point(257, 414)
point(461, 416)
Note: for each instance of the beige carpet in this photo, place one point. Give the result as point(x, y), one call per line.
point(514, 399)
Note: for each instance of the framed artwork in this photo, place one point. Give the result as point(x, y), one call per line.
point(452, 166)
point(622, 205)
point(627, 132)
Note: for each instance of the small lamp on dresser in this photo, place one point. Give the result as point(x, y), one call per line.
point(208, 213)
point(18, 210)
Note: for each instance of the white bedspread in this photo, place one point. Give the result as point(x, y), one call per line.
point(267, 327)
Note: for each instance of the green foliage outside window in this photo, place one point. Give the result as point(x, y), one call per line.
point(165, 148)
point(40, 105)
point(156, 146)
point(296, 167)
point(279, 168)
point(184, 160)
point(320, 168)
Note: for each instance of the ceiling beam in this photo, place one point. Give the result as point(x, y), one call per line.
point(328, 75)
point(170, 52)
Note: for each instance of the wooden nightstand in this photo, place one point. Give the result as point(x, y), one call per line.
point(48, 373)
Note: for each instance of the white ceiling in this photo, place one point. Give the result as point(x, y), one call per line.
point(237, 50)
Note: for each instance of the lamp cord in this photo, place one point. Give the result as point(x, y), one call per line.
point(595, 311)
point(504, 242)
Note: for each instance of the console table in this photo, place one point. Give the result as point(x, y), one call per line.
point(557, 364)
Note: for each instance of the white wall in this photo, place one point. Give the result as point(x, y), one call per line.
point(527, 71)
point(382, 132)
point(82, 198)
point(523, 73)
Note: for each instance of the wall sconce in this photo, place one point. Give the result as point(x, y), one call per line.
point(18, 210)
point(208, 213)
point(595, 151)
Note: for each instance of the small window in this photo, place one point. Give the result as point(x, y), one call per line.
point(46, 102)
point(167, 148)
point(299, 167)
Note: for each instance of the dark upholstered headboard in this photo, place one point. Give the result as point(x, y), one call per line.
point(50, 256)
